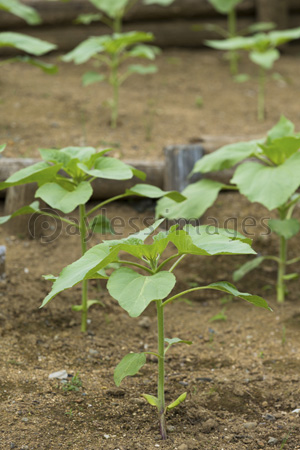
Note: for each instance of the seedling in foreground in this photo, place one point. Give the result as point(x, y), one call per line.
point(134, 290)
point(64, 179)
point(113, 51)
point(29, 44)
point(272, 179)
point(263, 51)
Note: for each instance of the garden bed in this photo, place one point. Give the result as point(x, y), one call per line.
point(242, 373)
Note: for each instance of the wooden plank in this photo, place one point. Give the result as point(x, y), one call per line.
point(276, 11)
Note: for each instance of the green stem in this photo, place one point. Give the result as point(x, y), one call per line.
point(177, 262)
point(84, 295)
point(54, 216)
point(293, 261)
point(109, 200)
point(261, 94)
point(281, 270)
point(166, 261)
point(171, 299)
point(115, 85)
point(233, 54)
point(161, 369)
point(130, 263)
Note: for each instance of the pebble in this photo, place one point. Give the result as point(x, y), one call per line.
point(59, 375)
point(183, 447)
point(24, 447)
point(25, 419)
point(12, 445)
point(183, 383)
point(208, 426)
point(272, 441)
point(115, 392)
point(145, 322)
point(93, 352)
point(171, 428)
point(269, 417)
point(249, 425)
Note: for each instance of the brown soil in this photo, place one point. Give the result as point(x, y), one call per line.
point(241, 374)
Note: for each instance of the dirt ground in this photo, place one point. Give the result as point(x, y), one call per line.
point(241, 373)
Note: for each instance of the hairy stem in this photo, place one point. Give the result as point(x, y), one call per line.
point(84, 292)
point(281, 270)
point(161, 370)
point(261, 94)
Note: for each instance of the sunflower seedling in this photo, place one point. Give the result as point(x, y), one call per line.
point(262, 48)
point(272, 178)
point(154, 282)
point(64, 180)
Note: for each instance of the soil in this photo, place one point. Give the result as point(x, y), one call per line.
point(241, 373)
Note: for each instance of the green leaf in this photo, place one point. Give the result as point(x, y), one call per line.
point(23, 11)
point(235, 43)
point(134, 291)
point(2, 147)
point(283, 36)
point(270, 186)
point(85, 50)
point(199, 197)
point(226, 157)
point(158, 2)
point(177, 341)
point(247, 267)
point(92, 77)
point(31, 209)
point(282, 129)
point(144, 51)
point(60, 198)
point(229, 288)
point(26, 43)
point(101, 224)
point(129, 366)
point(40, 173)
point(261, 26)
point(279, 150)
point(286, 228)
point(147, 190)
point(177, 402)
point(113, 8)
point(266, 58)
point(153, 401)
point(49, 277)
point(89, 304)
point(87, 19)
point(108, 168)
point(141, 70)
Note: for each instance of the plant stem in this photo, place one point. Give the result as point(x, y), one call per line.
point(161, 370)
point(281, 270)
point(261, 94)
point(115, 85)
point(84, 291)
point(233, 55)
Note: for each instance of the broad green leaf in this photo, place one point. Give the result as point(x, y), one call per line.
point(31, 209)
point(283, 36)
point(226, 157)
point(265, 59)
point(92, 77)
point(26, 43)
point(141, 70)
point(229, 288)
point(113, 8)
point(270, 186)
point(2, 147)
point(177, 341)
point(247, 267)
point(153, 401)
point(158, 2)
point(144, 51)
point(40, 173)
point(25, 12)
point(87, 19)
point(177, 402)
point(134, 291)
point(279, 150)
point(148, 190)
point(108, 168)
point(65, 156)
point(261, 26)
point(101, 224)
point(45, 67)
point(199, 197)
point(235, 43)
point(85, 50)
point(282, 129)
point(129, 366)
point(286, 228)
point(118, 42)
point(49, 277)
point(92, 261)
point(60, 198)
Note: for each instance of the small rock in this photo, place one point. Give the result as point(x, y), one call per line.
point(269, 417)
point(106, 436)
point(12, 445)
point(296, 411)
point(145, 322)
point(24, 447)
point(171, 428)
point(25, 419)
point(137, 401)
point(72, 323)
point(261, 444)
point(249, 425)
point(60, 375)
point(183, 383)
point(272, 441)
point(208, 426)
point(264, 404)
point(204, 379)
point(93, 352)
point(183, 447)
point(115, 392)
